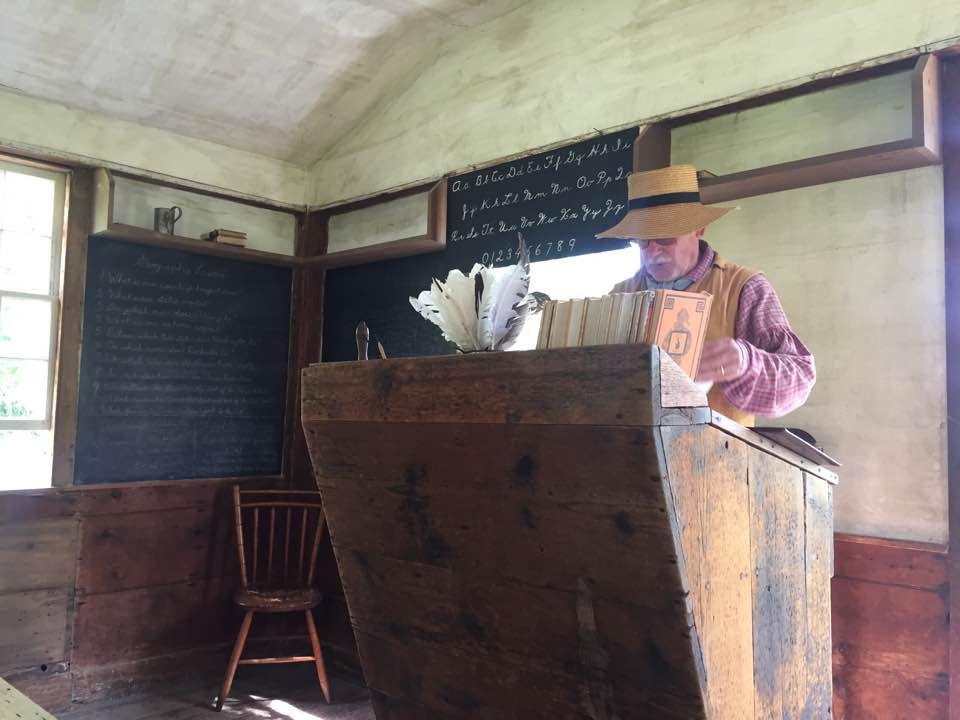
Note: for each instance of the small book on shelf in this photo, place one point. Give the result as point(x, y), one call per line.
point(674, 320)
point(226, 237)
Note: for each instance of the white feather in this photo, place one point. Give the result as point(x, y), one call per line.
point(481, 311)
point(459, 309)
point(510, 291)
point(485, 337)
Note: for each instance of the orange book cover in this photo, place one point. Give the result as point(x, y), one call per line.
point(682, 326)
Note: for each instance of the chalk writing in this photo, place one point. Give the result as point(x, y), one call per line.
point(183, 372)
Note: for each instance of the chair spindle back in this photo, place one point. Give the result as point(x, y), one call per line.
point(278, 537)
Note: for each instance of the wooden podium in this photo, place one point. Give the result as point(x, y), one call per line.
point(569, 534)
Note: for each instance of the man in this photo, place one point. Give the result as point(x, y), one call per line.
point(757, 365)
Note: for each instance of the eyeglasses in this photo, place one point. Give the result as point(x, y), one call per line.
point(666, 242)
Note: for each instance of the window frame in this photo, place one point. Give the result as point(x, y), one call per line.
point(58, 230)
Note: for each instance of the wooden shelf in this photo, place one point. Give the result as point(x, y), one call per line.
point(375, 253)
point(135, 234)
point(434, 241)
point(103, 225)
point(922, 148)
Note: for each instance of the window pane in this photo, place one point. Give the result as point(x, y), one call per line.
point(26, 203)
point(27, 459)
point(24, 262)
point(24, 328)
point(23, 389)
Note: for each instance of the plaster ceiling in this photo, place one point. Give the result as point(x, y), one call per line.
point(286, 78)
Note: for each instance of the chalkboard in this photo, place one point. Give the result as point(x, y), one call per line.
point(558, 200)
point(183, 369)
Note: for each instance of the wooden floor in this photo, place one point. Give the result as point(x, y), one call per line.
point(266, 692)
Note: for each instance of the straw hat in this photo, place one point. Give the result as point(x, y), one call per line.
point(664, 203)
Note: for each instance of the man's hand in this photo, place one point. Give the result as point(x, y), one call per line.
point(722, 360)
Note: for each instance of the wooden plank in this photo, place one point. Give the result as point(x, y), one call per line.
point(951, 205)
point(889, 628)
point(713, 517)
point(38, 555)
point(505, 688)
point(676, 387)
point(833, 167)
point(892, 562)
point(651, 149)
point(102, 200)
point(925, 104)
point(558, 386)
point(197, 543)
point(437, 213)
point(527, 623)
point(781, 674)
point(114, 679)
point(862, 693)
point(494, 557)
point(818, 569)
point(79, 224)
point(306, 337)
point(121, 498)
point(888, 602)
point(142, 236)
point(145, 622)
point(14, 704)
point(29, 506)
point(34, 628)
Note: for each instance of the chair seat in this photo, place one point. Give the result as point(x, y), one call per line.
point(280, 600)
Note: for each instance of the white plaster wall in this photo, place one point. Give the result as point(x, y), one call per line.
point(842, 118)
point(35, 125)
point(267, 230)
point(858, 266)
point(551, 71)
point(398, 219)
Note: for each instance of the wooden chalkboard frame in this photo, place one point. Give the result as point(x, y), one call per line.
point(258, 358)
point(82, 203)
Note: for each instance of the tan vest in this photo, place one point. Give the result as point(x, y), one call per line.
point(724, 281)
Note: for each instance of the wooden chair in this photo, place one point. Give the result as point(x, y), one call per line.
point(278, 536)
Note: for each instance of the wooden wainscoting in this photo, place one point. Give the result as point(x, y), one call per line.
point(107, 586)
point(890, 630)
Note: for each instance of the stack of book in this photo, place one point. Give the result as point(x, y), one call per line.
point(227, 237)
point(674, 320)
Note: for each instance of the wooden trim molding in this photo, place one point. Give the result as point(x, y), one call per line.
point(651, 149)
point(78, 225)
point(951, 204)
point(306, 335)
point(919, 150)
point(434, 241)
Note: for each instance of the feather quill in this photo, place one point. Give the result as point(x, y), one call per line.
point(510, 290)
point(482, 311)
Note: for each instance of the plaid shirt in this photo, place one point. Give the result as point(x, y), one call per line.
point(780, 371)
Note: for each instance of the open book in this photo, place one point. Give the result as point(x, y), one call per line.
point(674, 320)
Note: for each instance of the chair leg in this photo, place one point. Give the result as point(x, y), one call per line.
point(318, 656)
point(235, 658)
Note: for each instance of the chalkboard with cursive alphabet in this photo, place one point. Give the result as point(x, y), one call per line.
point(557, 199)
point(183, 369)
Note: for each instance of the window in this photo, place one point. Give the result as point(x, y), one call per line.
point(31, 230)
point(576, 277)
